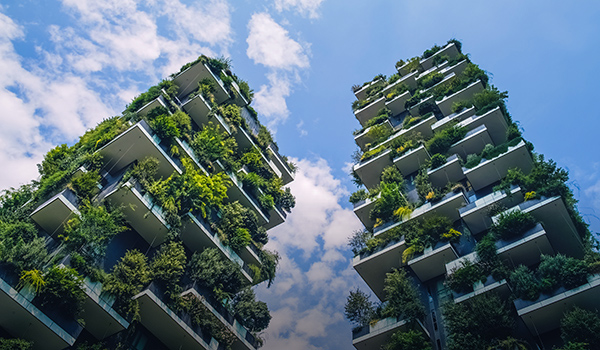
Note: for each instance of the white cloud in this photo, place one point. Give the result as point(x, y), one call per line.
point(270, 44)
point(269, 101)
point(300, 128)
point(307, 8)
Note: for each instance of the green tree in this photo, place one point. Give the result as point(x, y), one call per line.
point(168, 265)
point(211, 270)
point(255, 314)
point(581, 326)
point(359, 308)
point(127, 279)
point(411, 340)
point(402, 297)
point(62, 290)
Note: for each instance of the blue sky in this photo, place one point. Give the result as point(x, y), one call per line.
point(67, 64)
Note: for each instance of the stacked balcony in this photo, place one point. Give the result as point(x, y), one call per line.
point(445, 104)
point(376, 335)
point(100, 319)
point(188, 80)
point(54, 213)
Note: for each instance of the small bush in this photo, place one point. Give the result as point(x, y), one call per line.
point(441, 141)
point(437, 160)
point(513, 224)
point(581, 326)
point(462, 279)
point(472, 161)
point(63, 290)
point(524, 283)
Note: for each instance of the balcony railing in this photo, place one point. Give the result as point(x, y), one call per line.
point(445, 105)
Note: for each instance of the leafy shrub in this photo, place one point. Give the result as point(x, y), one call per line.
point(239, 225)
point(270, 260)
point(442, 140)
point(410, 340)
point(20, 247)
point(513, 224)
point(168, 265)
point(488, 99)
point(266, 201)
point(86, 185)
point(359, 309)
point(430, 52)
point(211, 144)
point(402, 297)
point(127, 279)
point(255, 314)
point(358, 196)
point(202, 317)
point(15, 344)
point(430, 80)
point(212, 270)
point(391, 199)
point(524, 283)
point(379, 133)
point(391, 174)
point(461, 279)
point(35, 278)
point(486, 249)
point(460, 105)
point(437, 160)
point(358, 241)
point(62, 290)
point(581, 326)
point(472, 161)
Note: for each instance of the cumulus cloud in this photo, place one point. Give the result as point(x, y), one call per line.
point(314, 264)
point(308, 8)
point(270, 44)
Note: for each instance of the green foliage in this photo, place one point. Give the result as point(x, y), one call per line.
point(264, 137)
point(165, 127)
point(239, 225)
point(461, 279)
point(358, 196)
point(359, 309)
point(525, 286)
point(16, 204)
point(509, 343)
point(379, 133)
point(437, 160)
point(87, 268)
point(57, 159)
point(430, 80)
point(86, 185)
point(410, 340)
point(442, 140)
point(488, 99)
point(15, 344)
point(255, 314)
point(475, 323)
point(201, 316)
point(62, 290)
point(472, 161)
point(423, 185)
point(391, 199)
point(512, 224)
point(127, 279)
point(102, 134)
point(460, 105)
point(270, 260)
point(152, 93)
point(402, 297)
point(211, 144)
point(20, 246)
point(581, 326)
point(35, 278)
point(486, 249)
point(143, 171)
point(358, 241)
point(266, 201)
point(211, 270)
point(430, 52)
point(168, 266)
point(246, 90)
point(90, 232)
point(391, 174)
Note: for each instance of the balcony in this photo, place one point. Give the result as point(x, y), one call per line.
point(363, 209)
point(545, 313)
point(276, 217)
point(561, 231)
point(438, 68)
point(458, 116)
point(473, 142)
point(499, 287)
point(408, 80)
point(375, 336)
point(245, 142)
point(236, 192)
point(432, 262)
point(467, 93)
point(140, 211)
point(423, 127)
point(363, 138)
point(188, 80)
point(525, 250)
point(414, 110)
point(238, 97)
point(244, 339)
point(287, 175)
point(489, 171)
point(369, 111)
point(456, 69)
point(175, 330)
point(411, 161)
point(449, 50)
point(54, 213)
point(137, 143)
point(493, 120)
point(157, 102)
point(197, 235)
point(362, 92)
point(475, 214)
point(397, 104)
point(198, 109)
point(372, 267)
point(101, 320)
point(22, 319)
point(369, 171)
point(451, 171)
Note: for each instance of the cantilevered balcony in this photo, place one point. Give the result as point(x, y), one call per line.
point(245, 142)
point(451, 171)
point(489, 171)
point(437, 68)
point(501, 288)
point(454, 117)
point(101, 320)
point(137, 143)
point(475, 214)
point(198, 109)
point(561, 231)
point(157, 102)
point(140, 211)
point(238, 98)
point(188, 80)
point(22, 319)
point(412, 160)
point(363, 139)
point(373, 266)
point(376, 335)
point(423, 127)
point(449, 50)
point(445, 104)
point(494, 122)
point(414, 110)
point(432, 262)
point(236, 192)
point(362, 92)
point(244, 340)
point(197, 235)
point(369, 171)
point(473, 142)
point(457, 69)
point(287, 175)
point(369, 111)
point(54, 213)
point(544, 314)
point(396, 104)
point(363, 209)
point(526, 249)
point(174, 329)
